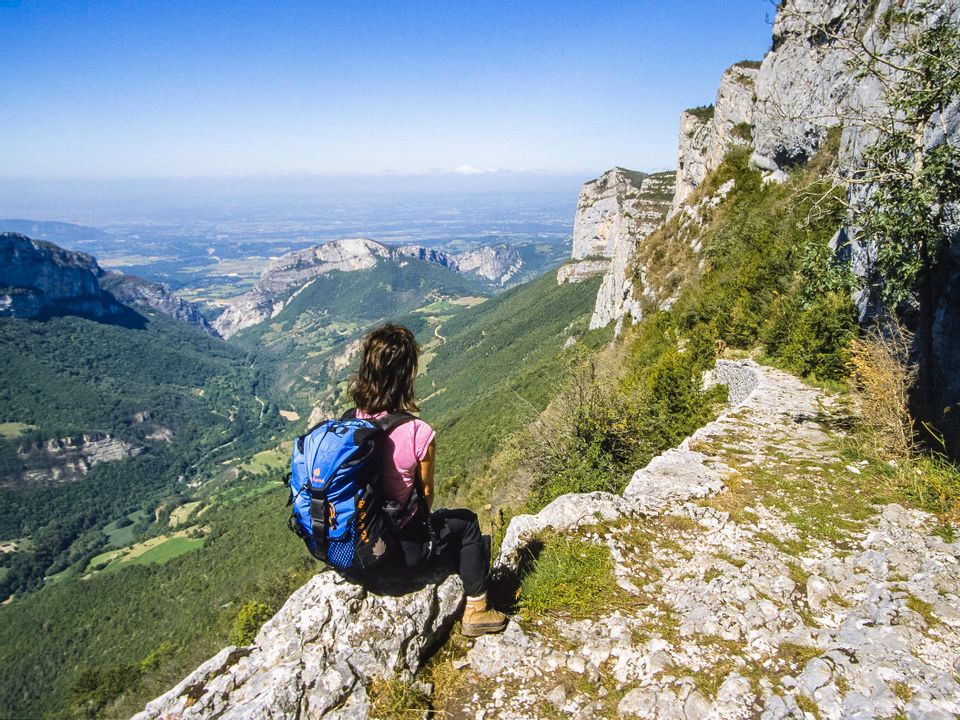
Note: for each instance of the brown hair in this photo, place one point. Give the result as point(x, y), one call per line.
point(388, 369)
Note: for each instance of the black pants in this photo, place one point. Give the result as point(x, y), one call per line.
point(459, 545)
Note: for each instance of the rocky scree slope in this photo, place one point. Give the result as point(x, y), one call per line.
point(753, 582)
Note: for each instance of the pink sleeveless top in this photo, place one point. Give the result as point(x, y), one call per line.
point(406, 446)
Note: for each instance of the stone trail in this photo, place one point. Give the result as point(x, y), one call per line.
point(755, 582)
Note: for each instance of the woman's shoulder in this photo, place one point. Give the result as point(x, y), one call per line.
point(417, 433)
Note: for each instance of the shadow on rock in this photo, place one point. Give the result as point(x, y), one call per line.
point(395, 580)
point(506, 581)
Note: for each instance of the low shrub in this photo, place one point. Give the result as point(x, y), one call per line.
point(882, 375)
point(613, 414)
point(251, 616)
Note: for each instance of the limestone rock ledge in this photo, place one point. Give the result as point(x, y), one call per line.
point(316, 656)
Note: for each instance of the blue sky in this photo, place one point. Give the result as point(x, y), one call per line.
point(204, 88)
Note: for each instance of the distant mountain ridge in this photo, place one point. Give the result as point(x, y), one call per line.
point(38, 277)
point(51, 230)
point(283, 277)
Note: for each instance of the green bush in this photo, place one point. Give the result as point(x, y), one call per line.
point(815, 340)
point(612, 415)
point(251, 616)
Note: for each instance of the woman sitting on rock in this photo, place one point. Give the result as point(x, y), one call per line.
point(384, 384)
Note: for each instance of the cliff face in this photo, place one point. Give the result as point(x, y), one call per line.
point(614, 213)
point(37, 276)
point(805, 85)
point(68, 459)
point(431, 255)
point(705, 137)
point(137, 292)
point(494, 263)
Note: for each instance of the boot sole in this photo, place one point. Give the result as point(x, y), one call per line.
point(477, 629)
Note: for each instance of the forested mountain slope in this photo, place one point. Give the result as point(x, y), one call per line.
point(307, 349)
point(167, 615)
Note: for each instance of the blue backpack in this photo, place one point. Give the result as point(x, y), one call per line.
point(338, 508)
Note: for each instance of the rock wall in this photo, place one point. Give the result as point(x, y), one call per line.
point(155, 297)
point(495, 263)
point(706, 138)
point(615, 212)
point(37, 276)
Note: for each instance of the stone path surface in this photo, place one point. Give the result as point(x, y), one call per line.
point(757, 580)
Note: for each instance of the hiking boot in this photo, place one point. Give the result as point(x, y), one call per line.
point(478, 619)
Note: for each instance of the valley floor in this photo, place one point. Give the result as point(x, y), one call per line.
point(755, 577)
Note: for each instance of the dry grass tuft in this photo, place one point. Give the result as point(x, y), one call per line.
point(883, 375)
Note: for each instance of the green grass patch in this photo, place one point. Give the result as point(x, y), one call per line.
point(571, 577)
point(164, 552)
point(267, 461)
point(11, 430)
point(123, 532)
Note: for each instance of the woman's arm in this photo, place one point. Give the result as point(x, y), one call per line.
point(425, 471)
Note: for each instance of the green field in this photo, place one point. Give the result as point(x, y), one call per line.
point(122, 536)
point(14, 429)
point(174, 547)
point(268, 460)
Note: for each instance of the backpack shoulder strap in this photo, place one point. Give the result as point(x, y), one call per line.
point(392, 420)
point(387, 423)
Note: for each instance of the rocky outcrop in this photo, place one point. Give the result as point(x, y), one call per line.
point(494, 263)
point(732, 605)
point(708, 134)
point(292, 271)
point(614, 213)
point(580, 270)
point(68, 459)
point(431, 255)
point(317, 657)
point(38, 277)
point(153, 297)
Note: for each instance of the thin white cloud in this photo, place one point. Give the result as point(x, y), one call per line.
point(472, 170)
